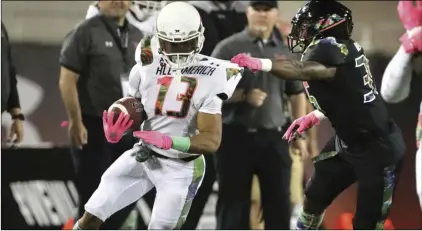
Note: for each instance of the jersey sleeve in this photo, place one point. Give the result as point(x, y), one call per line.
point(211, 105)
point(327, 51)
point(231, 77)
point(74, 51)
point(135, 81)
point(143, 52)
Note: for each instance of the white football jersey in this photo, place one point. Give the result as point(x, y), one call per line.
point(172, 99)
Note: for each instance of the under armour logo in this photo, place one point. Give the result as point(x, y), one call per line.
point(177, 31)
point(108, 43)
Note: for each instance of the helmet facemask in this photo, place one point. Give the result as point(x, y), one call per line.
point(302, 34)
point(178, 50)
point(304, 31)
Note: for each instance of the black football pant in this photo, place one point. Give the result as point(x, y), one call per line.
point(92, 161)
point(334, 172)
point(241, 155)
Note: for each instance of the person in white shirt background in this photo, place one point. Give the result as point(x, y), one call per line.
point(142, 14)
point(407, 62)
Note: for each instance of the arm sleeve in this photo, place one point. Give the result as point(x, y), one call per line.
point(74, 52)
point(135, 81)
point(395, 85)
point(211, 105)
point(138, 52)
point(327, 52)
point(294, 87)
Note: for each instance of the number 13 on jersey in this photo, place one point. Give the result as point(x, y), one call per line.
point(183, 97)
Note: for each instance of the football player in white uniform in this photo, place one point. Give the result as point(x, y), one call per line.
point(397, 77)
point(182, 93)
point(142, 14)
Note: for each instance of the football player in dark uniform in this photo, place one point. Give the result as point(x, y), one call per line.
point(406, 64)
point(368, 146)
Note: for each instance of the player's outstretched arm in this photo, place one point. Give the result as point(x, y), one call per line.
point(298, 70)
point(395, 85)
point(287, 69)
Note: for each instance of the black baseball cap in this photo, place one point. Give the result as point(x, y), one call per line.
point(272, 4)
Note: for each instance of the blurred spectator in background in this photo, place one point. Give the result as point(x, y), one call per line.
point(95, 56)
point(253, 119)
point(9, 90)
point(285, 28)
point(406, 63)
point(221, 20)
point(142, 14)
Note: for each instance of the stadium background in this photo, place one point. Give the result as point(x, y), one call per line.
point(37, 191)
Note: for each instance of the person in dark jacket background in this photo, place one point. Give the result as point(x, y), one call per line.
point(221, 20)
point(96, 58)
point(9, 91)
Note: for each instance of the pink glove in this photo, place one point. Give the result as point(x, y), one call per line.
point(243, 60)
point(155, 138)
point(300, 125)
point(411, 18)
point(114, 132)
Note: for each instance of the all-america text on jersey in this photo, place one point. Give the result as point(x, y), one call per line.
point(218, 115)
point(193, 70)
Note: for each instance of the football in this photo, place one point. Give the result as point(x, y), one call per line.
point(130, 106)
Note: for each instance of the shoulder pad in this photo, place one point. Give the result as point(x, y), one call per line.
point(143, 53)
point(326, 51)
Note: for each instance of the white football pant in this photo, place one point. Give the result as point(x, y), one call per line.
point(127, 180)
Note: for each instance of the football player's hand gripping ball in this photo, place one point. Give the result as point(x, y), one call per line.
point(114, 132)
